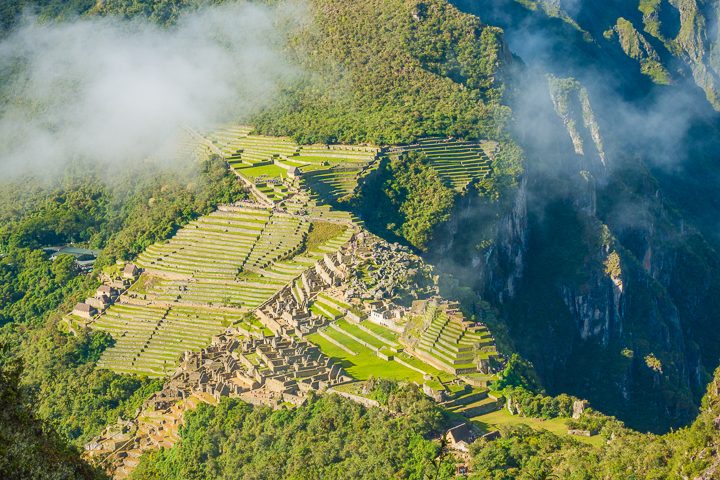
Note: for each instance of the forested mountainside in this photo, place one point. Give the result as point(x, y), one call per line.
point(585, 239)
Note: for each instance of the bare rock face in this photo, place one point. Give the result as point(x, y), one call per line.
point(694, 43)
point(579, 407)
point(572, 104)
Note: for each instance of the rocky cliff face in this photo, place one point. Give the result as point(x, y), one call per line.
point(637, 47)
point(631, 312)
point(484, 243)
point(617, 297)
point(694, 42)
point(685, 32)
point(505, 260)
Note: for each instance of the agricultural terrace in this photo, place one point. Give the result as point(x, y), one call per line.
point(213, 273)
point(368, 350)
point(331, 172)
point(306, 203)
point(448, 342)
point(458, 162)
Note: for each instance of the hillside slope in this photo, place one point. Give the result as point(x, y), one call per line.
point(690, 452)
point(595, 242)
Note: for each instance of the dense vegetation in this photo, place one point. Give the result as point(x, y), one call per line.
point(407, 199)
point(686, 453)
point(390, 71)
point(162, 12)
point(386, 72)
point(334, 438)
point(66, 389)
point(27, 448)
point(329, 437)
point(123, 219)
point(11, 12)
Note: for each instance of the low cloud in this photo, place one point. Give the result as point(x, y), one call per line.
point(114, 91)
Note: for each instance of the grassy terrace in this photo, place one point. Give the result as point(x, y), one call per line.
point(215, 245)
point(149, 339)
point(471, 402)
point(245, 295)
point(207, 277)
point(363, 340)
point(305, 203)
point(385, 333)
point(458, 162)
point(228, 138)
point(449, 344)
point(558, 426)
point(328, 170)
point(331, 184)
point(365, 363)
point(361, 334)
point(332, 173)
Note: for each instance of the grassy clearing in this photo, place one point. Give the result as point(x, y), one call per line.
point(386, 333)
point(269, 170)
point(365, 364)
point(145, 284)
point(321, 232)
point(417, 363)
point(365, 337)
point(557, 426)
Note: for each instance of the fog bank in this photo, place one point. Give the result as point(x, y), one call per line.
point(114, 91)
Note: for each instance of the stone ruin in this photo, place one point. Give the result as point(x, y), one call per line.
point(267, 180)
point(271, 370)
point(282, 368)
point(392, 271)
point(287, 313)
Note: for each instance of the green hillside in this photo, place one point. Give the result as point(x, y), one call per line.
point(497, 215)
point(430, 70)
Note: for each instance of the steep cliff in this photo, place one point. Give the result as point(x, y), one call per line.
point(637, 47)
point(616, 298)
point(483, 244)
point(693, 41)
point(627, 288)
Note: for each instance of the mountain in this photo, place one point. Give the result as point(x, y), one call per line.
point(482, 212)
point(620, 176)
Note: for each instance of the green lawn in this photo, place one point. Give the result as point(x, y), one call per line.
point(327, 306)
point(555, 425)
point(364, 336)
point(416, 362)
point(269, 170)
point(365, 364)
point(386, 333)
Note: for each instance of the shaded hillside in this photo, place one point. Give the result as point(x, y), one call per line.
point(690, 452)
point(620, 171)
point(602, 259)
point(28, 449)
